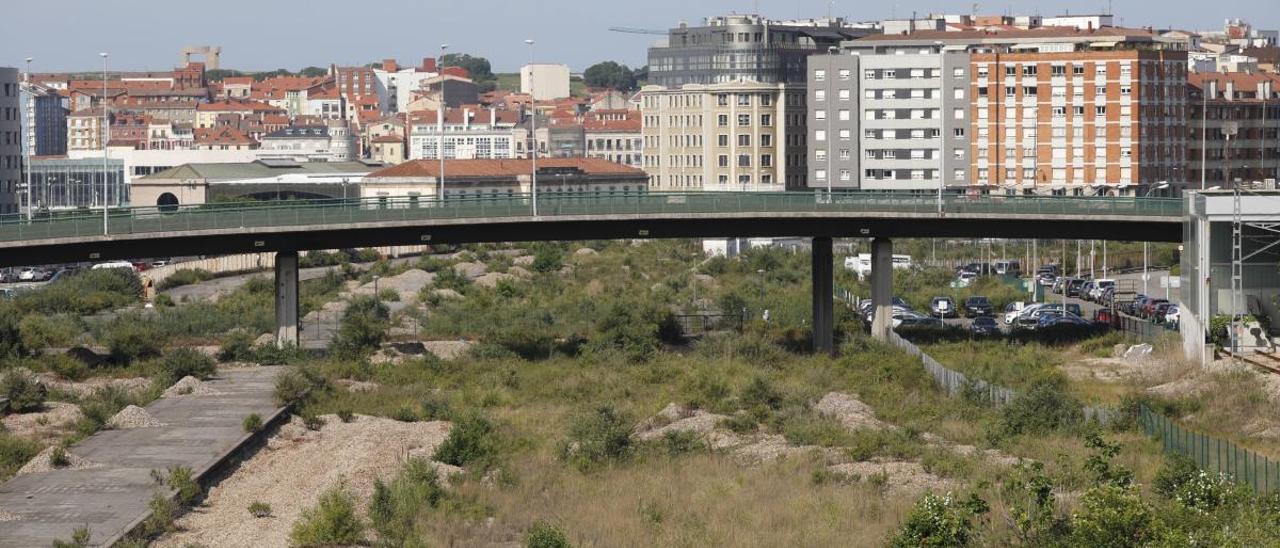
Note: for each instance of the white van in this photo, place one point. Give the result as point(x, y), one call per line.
point(862, 264)
point(113, 264)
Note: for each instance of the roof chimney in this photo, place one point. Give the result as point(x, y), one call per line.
point(1231, 89)
point(429, 64)
point(389, 65)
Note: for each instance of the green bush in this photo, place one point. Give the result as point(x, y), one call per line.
point(79, 539)
point(1043, 408)
point(292, 386)
point(332, 522)
point(471, 441)
point(130, 337)
point(1110, 516)
point(84, 293)
point(941, 521)
point(164, 301)
point(182, 480)
point(395, 507)
point(547, 258)
point(679, 442)
point(24, 391)
point(597, 438)
point(184, 276)
point(163, 512)
point(363, 328)
point(546, 535)
point(1177, 471)
point(14, 453)
point(252, 423)
point(259, 509)
point(183, 362)
point(40, 332)
point(66, 367)
point(237, 347)
point(58, 457)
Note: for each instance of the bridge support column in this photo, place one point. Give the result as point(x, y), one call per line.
point(882, 288)
point(823, 297)
point(286, 299)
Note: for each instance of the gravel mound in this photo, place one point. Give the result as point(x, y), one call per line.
point(898, 477)
point(491, 279)
point(189, 386)
point(470, 271)
point(90, 387)
point(43, 463)
point(57, 418)
point(523, 260)
point(850, 412)
point(447, 350)
point(133, 417)
point(519, 272)
point(296, 467)
point(585, 252)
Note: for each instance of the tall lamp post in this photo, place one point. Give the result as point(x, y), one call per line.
point(106, 136)
point(443, 107)
point(26, 140)
point(1145, 246)
point(533, 107)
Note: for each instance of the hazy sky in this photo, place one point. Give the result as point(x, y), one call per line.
point(268, 34)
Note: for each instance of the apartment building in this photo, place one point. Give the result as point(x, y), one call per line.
point(1050, 110)
point(1233, 127)
point(467, 133)
point(884, 118)
point(44, 120)
point(545, 81)
point(10, 140)
point(617, 140)
point(731, 136)
point(84, 129)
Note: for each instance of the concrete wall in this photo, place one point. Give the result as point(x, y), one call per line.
point(257, 262)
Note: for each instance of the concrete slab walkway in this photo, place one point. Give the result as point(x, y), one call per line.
point(198, 432)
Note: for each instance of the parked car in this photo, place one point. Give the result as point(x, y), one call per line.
point(1149, 308)
point(1012, 310)
point(1095, 292)
point(27, 274)
point(1086, 290)
point(978, 306)
point(1046, 279)
point(943, 307)
point(1059, 319)
point(1009, 268)
point(1171, 317)
point(966, 278)
point(1103, 316)
point(1074, 285)
point(984, 327)
point(1160, 310)
point(1134, 306)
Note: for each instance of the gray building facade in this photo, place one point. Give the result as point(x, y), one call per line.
point(44, 120)
point(735, 48)
point(889, 120)
point(10, 140)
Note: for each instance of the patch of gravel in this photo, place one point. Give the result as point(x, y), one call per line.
point(58, 418)
point(296, 467)
point(189, 386)
point(491, 279)
point(523, 260)
point(357, 386)
point(90, 387)
point(447, 350)
point(446, 293)
point(519, 272)
point(42, 463)
point(471, 271)
point(586, 252)
point(406, 284)
point(899, 477)
point(133, 417)
point(749, 449)
point(8, 516)
point(850, 412)
point(1188, 386)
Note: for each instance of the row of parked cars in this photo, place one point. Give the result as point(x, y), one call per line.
point(1033, 316)
point(1154, 309)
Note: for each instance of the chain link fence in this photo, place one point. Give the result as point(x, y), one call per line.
point(1212, 454)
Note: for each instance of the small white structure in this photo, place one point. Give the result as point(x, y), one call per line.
point(545, 82)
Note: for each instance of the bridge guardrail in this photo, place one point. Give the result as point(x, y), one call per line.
point(155, 219)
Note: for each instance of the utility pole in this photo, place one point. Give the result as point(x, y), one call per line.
point(533, 104)
point(440, 126)
point(106, 137)
point(29, 144)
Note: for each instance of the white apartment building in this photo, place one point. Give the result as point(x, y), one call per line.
point(467, 134)
point(731, 136)
point(396, 84)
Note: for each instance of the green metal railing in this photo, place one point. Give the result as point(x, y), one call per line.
point(1212, 454)
point(138, 220)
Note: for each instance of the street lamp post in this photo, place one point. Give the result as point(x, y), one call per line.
point(106, 136)
point(533, 107)
point(26, 139)
point(443, 107)
point(1145, 246)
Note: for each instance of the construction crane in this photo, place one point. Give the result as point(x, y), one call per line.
point(629, 30)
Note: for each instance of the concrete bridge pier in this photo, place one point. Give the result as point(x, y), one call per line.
point(286, 299)
point(823, 297)
point(882, 288)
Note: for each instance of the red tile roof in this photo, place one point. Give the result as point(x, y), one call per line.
point(503, 168)
point(392, 138)
point(223, 135)
point(238, 106)
point(629, 125)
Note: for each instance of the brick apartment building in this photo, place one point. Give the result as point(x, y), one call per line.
point(1248, 104)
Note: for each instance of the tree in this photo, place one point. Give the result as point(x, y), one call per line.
point(479, 67)
point(217, 75)
point(610, 75)
point(641, 75)
point(313, 72)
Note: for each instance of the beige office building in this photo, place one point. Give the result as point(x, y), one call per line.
point(737, 136)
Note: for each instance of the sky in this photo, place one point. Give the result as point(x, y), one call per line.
point(267, 34)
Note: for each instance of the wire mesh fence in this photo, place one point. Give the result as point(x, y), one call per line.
point(1212, 454)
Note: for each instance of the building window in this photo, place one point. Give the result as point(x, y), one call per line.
point(959, 133)
point(820, 174)
point(820, 114)
point(744, 120)
point(744, 140)
point(722, 140)
point(820, 95)
point(744, 160)
point(846, 175)
point(820, 135)
point(723, 119)
point(958, 114)
point(766, 120)
point(820, 75)
point(766, 160)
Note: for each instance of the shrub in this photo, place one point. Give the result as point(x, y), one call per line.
point(84, 293)
point(312, 421)
point(679, 442)
point(597, 438)
point(1205, 492)
point(66, 367)
point(472, 440)
point(760, 398)
point(1044, 407)
point(741, 424)
point(40, 332)
point(237, 347)
point(294, 385)
point(79, 539)
point(24, 391)
point(1177, 470)
point(163, 512)
point(546, 535)
point(345, 415)
point(164, 301)
point(395, 507)
point(181, 479)
point(940, 521)
point(363, 328)
point(332, 522)
point(184, 276)
point(15, 452)
point(130, 337)
point(183, 362)
point(252, 423)
point(58, 457)
point(1112, 516)
point(259, 509)
point(547, 258)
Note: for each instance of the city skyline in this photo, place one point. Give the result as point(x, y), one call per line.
point(255, 43)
